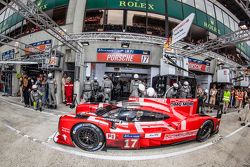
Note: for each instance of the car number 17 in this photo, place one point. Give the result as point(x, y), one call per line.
point(131, 143)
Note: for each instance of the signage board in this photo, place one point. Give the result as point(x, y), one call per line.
point(182, 29)
point(123, 55)
point(198, 65)
point(10, 54)
point(223, 76)
point(39, 47)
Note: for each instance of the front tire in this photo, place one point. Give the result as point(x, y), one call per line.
point(205, 131)
point(88, 137)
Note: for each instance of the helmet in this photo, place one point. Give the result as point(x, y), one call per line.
point(142, 87)
point(50, 75)
point(186, 83)
point(105, 76)
point(136, 76)
point(87, 76)
point(95, 78)
point(175, 85)
point(34, 87)
point(150, 92)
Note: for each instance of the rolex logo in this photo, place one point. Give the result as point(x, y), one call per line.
point(136, 4)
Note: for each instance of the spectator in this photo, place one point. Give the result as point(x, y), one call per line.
point(26, 90)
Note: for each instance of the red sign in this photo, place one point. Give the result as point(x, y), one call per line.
point(198, 65)
point(123, 55)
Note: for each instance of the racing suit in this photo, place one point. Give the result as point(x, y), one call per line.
point(69, 88)
point(63, 88)
point(87, 90)
point(42, 86)
point(244, 114)
point(134, 88)
point(36, 98)
point(240, 99)
point(95, 87)
point(172, 93)
point(184, 93)
point(52, 91)
point(107, 87)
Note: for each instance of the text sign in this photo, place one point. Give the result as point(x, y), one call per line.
point(39, 47)
point(198, 65)
point(8, 54)
point(123, 55)
point(182, 29)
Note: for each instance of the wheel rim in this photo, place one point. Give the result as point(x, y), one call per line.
point(206, 131)
point(88, 138)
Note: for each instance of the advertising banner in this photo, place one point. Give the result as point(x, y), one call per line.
point(223, 76)
point(8, 54)
point(182, 29)
point(198, 65)
point(38, 47)
point(123, 55)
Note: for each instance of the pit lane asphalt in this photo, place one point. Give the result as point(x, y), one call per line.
point(25, 140)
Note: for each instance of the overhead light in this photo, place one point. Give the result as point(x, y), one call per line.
point(186, 47)
point(244, 25)
point(85, 43)
point(125, 45)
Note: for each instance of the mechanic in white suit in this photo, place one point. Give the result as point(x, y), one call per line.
point(134, 86)
point(244, 115)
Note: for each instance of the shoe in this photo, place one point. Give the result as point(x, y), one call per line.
point(225, 113)
point(248, 126)
point(239, 119)
point(242, 124)
point(25, 106)
point(41, 109)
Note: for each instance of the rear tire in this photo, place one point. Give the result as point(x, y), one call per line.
point(205, 131)
point(88, 137)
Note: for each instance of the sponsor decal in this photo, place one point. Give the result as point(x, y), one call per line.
point(123, 55)
point(187, 103)
point(41, 47)
point(8, 54)
point(66, 130)
point(131, 136)
point(198, 65)
point(180, 135)
point(152, 135)
point(111, 136)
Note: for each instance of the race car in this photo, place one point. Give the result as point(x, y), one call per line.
point(134, 124)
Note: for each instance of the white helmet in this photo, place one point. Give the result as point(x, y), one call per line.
point(141, 88)
point(87, 76)
point(105, 76)
point(50, 75)
point(175, 85)
point(136, 76)
point(34, 87)
point(150, 92)
point(95, 78)
point(186, 83)
point(68, 79)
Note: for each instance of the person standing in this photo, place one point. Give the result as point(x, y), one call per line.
point(236, 98)
point(200, 97)
point(226, 100)
point(96, 86)
point(87, 89)
point(42, 86)
point(26, 90)
point(69, 89)
point(134, 86)
point(52, 86)
point(232, 98)
point(240, 99)
point(64, 78)
point(184, 91)
point(213, 93)
point(107, 87)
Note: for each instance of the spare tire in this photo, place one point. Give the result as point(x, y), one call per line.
point(88, 137)
point(205, 131)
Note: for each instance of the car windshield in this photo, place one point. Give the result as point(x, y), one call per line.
point(134, 115)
